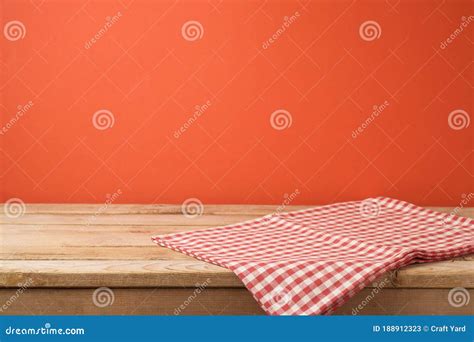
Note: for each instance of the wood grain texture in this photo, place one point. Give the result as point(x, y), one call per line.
point(66, 251)
point(178, 272)
point(215, 301)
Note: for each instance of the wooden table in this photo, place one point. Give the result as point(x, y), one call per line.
point(60, 254)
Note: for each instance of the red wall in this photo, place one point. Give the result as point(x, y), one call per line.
point(318, 69)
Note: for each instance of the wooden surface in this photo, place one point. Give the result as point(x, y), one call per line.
point(216, 301)
point(82, 247)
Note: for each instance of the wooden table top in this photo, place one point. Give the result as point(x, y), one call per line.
point(88, 245)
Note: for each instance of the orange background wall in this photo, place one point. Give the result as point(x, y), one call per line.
point(319, 70)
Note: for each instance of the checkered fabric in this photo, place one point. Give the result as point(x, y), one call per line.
point(311, 261)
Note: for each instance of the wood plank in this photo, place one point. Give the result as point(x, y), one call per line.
point(215, 301)
point(140, 273)
point(151, 252)
point(220, 215)
point(77, 238)
point(155, 209)
point(134, 301)
point(72, 235)
point(85, 220)
point(166, 273)
point(443, 274)
point(70, 228)
point(151, 209)
point(32, 253)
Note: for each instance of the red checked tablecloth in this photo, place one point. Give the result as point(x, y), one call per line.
point(311, 261)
